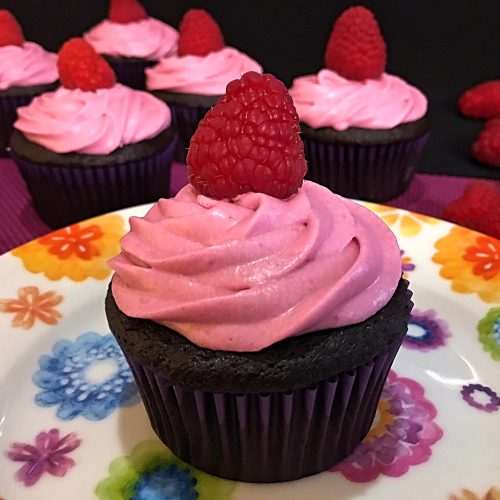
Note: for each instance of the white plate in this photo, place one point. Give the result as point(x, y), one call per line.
point(72, 426)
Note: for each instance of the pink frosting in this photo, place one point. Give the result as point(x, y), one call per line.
point(243, 274)
point(147, 39)
point(27, 65)
point(98, 122)
point(208, 75)
point(329, 100)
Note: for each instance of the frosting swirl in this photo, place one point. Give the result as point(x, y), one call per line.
point(241, 275)
point(208, 75)
point(147, 39)
point(329, 100)
point(98, 122)
point(27, 65)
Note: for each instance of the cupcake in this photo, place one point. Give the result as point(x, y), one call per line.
point(26, 70)
point(260, 314)
point(192, 81)
point(131, 41)
point(363, 129)
point(92, 145)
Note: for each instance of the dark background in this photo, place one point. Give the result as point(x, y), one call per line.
point(441, 46)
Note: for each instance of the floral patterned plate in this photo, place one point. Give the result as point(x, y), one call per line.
point(72, 425)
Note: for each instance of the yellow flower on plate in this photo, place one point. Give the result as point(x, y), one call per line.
point(406, 223)
point(471, 261)
point(491, 494)
point(79, 251)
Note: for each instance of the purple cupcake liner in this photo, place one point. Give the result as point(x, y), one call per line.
point(8, 115)
point(266, 437)
point(185, 120)
point(131, 73)
point(374, 173)
point(63, 195)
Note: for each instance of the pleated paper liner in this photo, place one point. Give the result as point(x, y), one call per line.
point(266, 437)
point(130, 72)
point(64, 195)
point(374, 172)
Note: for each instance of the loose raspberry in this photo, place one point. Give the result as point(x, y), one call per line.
point(81, 67)
point(126, 11)
point(356, 49)
point(249, 141)
point(486, 149)
point(199, 34)
point(481, 101)
point(478, 208)
point(10, 31)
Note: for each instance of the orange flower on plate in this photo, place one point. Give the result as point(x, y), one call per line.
point(471, 261)
point(406, 223)
point(31, 305)
point(79, 251)
point(491, 494)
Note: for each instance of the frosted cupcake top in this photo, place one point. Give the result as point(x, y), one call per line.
point(330, 100)
point(149, 39)
point(26, 65)
point(204, 75)
point(95, 122)
point(242, 274)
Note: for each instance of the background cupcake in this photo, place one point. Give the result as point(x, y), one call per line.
point(363, 129)
point(93, 145)
point(259, 314)
point(26, 70)
point(192, 81)
point(131, 41)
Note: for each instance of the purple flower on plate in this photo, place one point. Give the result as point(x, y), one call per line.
point(401, 436)
point(406, 264)
point(48, 454)
point(473, 393)
point(426, 331)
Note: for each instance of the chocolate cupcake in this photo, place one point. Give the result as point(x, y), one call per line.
point(132, 41)
point(260, 315)
point(26, 70)
point(192, 81)
point(363, 129)
point(92, 145)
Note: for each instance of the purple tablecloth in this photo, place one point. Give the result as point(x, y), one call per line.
point(19, 223)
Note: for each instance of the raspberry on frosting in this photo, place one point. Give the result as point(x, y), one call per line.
point(126, 11)
point(10, 31)
point(356, 49)
point(199, 34)
point(248, 142)
point(81, 67)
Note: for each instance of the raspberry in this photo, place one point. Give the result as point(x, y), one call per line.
point(356, 49)
point(126, 11)
point(478, 208)
point(481, 101)
point(249, 141)
point(10, 31)
point(199, 34)
point(486, 149)
point(81, 67)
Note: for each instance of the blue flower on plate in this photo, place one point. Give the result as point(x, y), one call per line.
point(88, 377)
point(172, 483)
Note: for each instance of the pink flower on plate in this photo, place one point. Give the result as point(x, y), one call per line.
point(48, 454)
point(401, 436)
